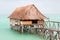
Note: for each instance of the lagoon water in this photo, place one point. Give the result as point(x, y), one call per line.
point(7, 34)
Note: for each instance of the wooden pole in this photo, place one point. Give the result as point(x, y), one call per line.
point(58, 26)
point(22, 27)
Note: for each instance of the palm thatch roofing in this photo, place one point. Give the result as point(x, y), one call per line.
point(27, 12)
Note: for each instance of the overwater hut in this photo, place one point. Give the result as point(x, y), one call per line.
point(27, 15)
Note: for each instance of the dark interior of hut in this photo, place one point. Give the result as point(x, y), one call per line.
point(34, 21)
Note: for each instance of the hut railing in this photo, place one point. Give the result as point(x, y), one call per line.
point(52, 24)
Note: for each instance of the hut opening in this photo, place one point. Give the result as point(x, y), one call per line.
point(34, 21)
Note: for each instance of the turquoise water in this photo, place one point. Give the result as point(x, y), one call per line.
point(7, 34)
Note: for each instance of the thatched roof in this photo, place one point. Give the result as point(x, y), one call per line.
point(27, 12)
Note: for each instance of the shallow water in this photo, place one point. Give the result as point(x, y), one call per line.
point(7, 34)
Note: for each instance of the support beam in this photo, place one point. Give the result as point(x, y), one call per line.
point(58, 26)
point(22, 28)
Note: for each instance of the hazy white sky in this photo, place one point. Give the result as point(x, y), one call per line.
point(47, 7)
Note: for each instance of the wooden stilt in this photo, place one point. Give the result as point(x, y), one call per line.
point(58, 26)
point(22, 27)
